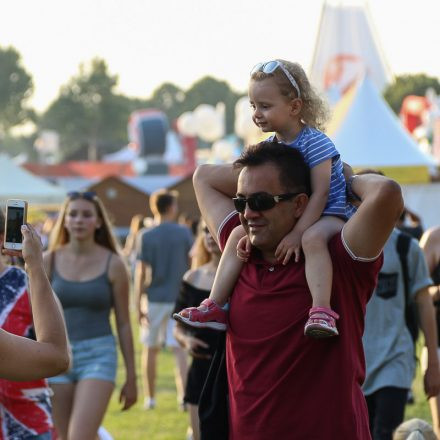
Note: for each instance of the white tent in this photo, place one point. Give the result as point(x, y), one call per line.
point(369, 135)
point(346, 47)
point(17, 183)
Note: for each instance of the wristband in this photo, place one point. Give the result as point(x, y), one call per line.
point(349, 191)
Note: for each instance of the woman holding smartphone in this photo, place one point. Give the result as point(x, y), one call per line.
point(23, 358)
point(90, 279)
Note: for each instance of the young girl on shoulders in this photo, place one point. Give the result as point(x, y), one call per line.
point(284, 102)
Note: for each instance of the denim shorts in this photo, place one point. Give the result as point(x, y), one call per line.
point(94, 358)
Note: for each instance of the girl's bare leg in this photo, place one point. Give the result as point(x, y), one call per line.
point(318, 265)
point(228, 270)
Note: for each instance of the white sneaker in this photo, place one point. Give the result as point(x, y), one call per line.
point(103, 434)
point(149, 403)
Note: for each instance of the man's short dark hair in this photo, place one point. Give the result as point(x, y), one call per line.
point(162, 200)
point(294, 172)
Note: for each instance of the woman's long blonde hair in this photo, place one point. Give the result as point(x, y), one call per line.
point(315, 111)
point(200, 254)
point(103, 235)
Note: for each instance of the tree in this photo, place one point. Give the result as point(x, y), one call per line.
point(15, 89)
point(209, 90)
point(170, 99)
point(88, 113)
point(409, 85)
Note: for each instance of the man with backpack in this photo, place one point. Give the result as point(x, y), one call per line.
point(399, 306)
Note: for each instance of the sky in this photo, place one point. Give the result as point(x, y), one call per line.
point(148, 42)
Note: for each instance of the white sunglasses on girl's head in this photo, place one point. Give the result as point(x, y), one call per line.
point(271, 66)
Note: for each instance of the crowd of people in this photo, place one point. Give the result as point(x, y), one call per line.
point(296, 305)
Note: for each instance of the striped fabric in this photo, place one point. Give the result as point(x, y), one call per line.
point(315, 148)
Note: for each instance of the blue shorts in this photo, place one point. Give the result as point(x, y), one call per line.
point(94, 358)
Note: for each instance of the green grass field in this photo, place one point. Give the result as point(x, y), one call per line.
point(166, 422)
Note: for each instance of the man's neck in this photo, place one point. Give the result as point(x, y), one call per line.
point(269, 256)
point(158, 219)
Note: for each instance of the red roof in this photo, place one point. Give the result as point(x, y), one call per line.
point(86, 169)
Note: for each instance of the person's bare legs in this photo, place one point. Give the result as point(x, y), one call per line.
point(149, 361)
point(180, 372)
point(318, 264)
point(62, 403)
point(90, 402)
point(434, 403)
point(194, 420)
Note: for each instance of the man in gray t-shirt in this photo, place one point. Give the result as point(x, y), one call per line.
point(388, 346)
point(163, 258)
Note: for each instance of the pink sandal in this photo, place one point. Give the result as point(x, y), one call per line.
point(321, 323)
point(207, 315)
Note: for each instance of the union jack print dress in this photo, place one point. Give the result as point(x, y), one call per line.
point(25, 409)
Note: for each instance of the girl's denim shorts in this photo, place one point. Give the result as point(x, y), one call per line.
point(94, 358)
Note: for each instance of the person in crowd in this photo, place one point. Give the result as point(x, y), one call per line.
point(284, 102)
point(129, 250)
point(200, 343)
point(25, 407)
point(90, 279)
point(430, 243)
point(162, 261)
point(24, 359)
point(270, 364)
point(388, 344)
point(410, 223)
point(414, 429)
point(189, 221)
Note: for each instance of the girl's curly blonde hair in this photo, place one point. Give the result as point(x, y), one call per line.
point(315, 111)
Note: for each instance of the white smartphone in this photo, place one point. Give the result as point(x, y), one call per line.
point(16, 215)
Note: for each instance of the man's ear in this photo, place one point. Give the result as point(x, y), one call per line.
point(299, 204)
point(296, 106)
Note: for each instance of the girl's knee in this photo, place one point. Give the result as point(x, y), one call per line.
point(313, 238)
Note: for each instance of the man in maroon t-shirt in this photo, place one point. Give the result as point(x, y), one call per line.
point(282, 384)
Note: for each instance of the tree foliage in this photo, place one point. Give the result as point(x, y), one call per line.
point(15, 89)
point(409, 85)
point(174, 101)
point(209, 90)
point(88, 112)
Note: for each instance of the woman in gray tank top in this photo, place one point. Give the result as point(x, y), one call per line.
point(430, 243)
point(90, 279)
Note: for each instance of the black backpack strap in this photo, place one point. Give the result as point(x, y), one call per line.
point(411, 310)
point(402, 246)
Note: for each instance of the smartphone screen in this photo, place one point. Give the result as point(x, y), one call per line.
point(13, 225)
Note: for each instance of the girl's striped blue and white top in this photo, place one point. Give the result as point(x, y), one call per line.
point(316, 147)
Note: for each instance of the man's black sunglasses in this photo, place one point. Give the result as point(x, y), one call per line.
point(87, 195)
point(261, 201)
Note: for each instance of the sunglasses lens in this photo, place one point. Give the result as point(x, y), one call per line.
point(240, 204)
point(261, 202)
point(256, 68)
point(271, 66)
point(88, 195)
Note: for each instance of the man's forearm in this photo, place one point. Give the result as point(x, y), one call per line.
point(222, 178)
point(139, 275)
point(428, 324)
